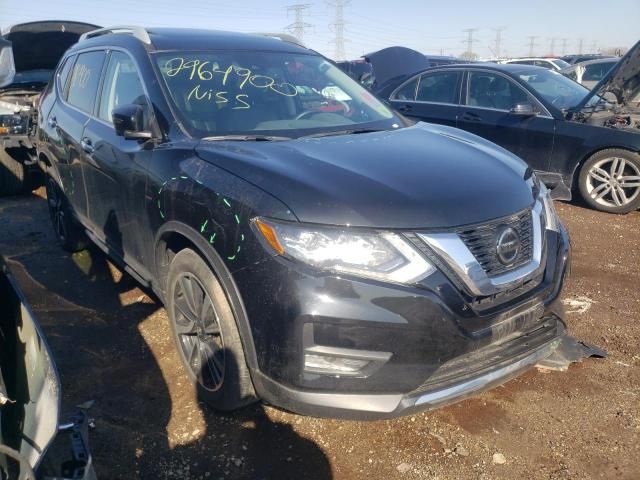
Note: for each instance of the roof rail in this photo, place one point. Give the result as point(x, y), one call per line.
point(138, 32)
point(284, 37)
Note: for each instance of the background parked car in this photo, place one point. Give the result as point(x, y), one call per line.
point(544, 62)
point(32, 51)
point(574, 138)
point(589, 73)
point(585, 57)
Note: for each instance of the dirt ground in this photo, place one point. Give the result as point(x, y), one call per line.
point(112, 345)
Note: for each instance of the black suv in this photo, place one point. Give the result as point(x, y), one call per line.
point(312, 249)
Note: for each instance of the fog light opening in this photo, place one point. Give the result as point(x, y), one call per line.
point(331, 365)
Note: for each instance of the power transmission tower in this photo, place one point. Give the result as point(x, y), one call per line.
point(580, 44)
point(564, 46)
point(299, 26)
point(552, 46)
point(532, 44)
point(338, 28)
point(498, 40)
point(594, 47)
point(469, 41)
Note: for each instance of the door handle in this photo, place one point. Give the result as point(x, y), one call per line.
point(53, 123)
point(86, 145)
point(405, 108)
point(471, 117)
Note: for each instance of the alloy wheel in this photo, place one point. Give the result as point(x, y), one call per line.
point(613, 182)
point(197, 328)
point(56, 211)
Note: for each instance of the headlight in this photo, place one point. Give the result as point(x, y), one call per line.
point(550, 215)
point(380, 255)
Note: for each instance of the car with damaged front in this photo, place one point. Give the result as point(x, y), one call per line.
point(34, 442)
point(29, 52)
point(580, 142)
point(313, 249)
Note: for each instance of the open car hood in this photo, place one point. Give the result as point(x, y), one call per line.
point(623, 80)
point(394, 62)
point(40, 45)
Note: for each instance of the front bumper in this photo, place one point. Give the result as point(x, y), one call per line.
point(434, 345)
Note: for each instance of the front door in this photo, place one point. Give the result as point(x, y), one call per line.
point(488, 101)
point(114, 167)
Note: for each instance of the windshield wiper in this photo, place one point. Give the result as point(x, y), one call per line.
point(247, 138)
point(354, 131)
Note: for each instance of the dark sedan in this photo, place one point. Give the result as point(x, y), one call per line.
point(577, 140)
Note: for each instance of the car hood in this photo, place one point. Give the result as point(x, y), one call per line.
point(425, 176)
point(623, 80)
point(40, 45)
point(395, 62)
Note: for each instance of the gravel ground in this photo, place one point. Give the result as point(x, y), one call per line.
point(112, 345)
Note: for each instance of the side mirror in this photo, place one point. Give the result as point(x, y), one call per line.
point(128, 121)
point(523, 110)
point(7, 66)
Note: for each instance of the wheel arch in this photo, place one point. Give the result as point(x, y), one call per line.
point(174, 236)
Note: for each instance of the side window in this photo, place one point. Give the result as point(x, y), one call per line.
point(408, 92)
point(85, 79)
point(573, 75)
point(122, 86)
point(523, 62)
point(596, 71)
point(490, 90)
point(63, 74)
point(543, 64)
point(438, 87)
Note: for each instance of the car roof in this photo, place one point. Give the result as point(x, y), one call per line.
point(161, 39)
point(512, 68)
point(597, 60)
point(550, 59)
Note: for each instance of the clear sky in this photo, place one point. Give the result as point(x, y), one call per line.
point(430, 26)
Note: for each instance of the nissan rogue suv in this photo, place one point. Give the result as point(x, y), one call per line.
point(313, 250)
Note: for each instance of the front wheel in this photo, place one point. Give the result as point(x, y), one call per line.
point(206, 335)
point(610, 181)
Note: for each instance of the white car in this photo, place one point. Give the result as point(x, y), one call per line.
point(548, 63)
point(591, 72)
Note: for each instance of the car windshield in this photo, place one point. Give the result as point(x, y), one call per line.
point(267, 93)
point(555, 88)
point(560, 63)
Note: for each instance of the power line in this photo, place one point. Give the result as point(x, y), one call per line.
point(498, 41)
point(552, 46)
point(532, 44)
point(299, 26)
point(469, 41)
point(338, 26)
point(580, 44)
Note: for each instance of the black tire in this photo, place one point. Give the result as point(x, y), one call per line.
point(610, 181)
point(69, 234)
point(12, 175)
point(206, 335)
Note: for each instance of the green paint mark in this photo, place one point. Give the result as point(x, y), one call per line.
point(161, 214)
point(203, 226)
point(238, 251)
point(232, 258)
point(173, 178)
point(199, 181)
point(242, 237)
point(183, 177)
point(159, 204)
point(237, 219)
point(212, 238)
point(226, 202)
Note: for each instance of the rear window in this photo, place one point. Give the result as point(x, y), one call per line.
point(85, 79)
point(63, 73)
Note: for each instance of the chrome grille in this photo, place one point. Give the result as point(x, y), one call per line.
point(481, 241)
